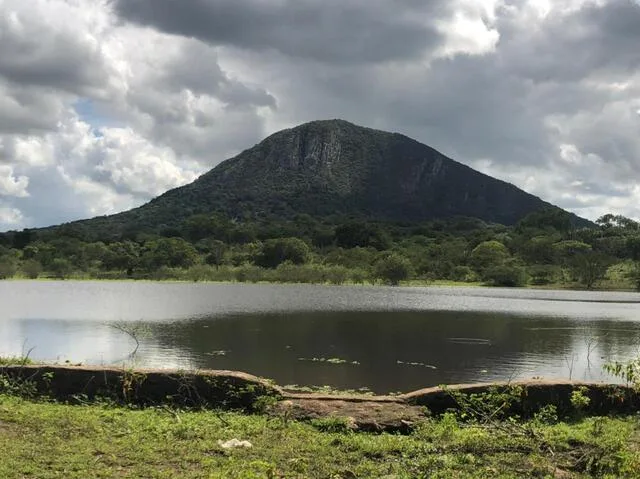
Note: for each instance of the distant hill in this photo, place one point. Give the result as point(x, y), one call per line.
point(333, 167)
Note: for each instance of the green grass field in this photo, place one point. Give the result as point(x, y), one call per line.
point(48, 440)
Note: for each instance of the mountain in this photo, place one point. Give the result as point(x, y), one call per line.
point(334, 167)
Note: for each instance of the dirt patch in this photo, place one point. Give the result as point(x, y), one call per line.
point(370, 416)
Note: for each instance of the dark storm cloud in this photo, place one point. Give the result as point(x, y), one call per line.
point(31, 54)
point(329, 30)
point(197, 69)
point(25, 109)
point(569, 47)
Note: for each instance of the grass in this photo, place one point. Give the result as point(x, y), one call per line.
point(50, 440)
point(15, 361)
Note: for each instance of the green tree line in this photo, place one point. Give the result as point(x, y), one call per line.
point(542, 249)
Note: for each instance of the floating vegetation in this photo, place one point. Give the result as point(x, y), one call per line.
point(330, 361)
point(424, 365)
point(364, 391)
point(478, 341)
point(221, 352)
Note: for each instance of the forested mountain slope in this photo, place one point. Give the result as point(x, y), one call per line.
point(332, 168)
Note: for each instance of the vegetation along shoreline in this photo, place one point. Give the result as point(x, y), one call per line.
point(543, 250)
point(80, 421)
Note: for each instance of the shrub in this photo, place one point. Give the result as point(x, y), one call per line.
point(358, 275)
point(166, 273)
point(7, 268)
point(510, 276)
point(31, 268)
point(293, 273)
point(463, 273)
point(248, 273)
point(337, 274)
point(392, 269)
point(543, 274)
point(60, 268)
point(199, 272)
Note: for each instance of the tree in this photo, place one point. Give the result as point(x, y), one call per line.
point(619, 222)
point(31, 268)
point(322, 236)
point(547, 219)
point(171, 252)
point(277, 251)
point(198, 227)
point(360, 233)
point(539, 250)
point(543, 273)
point(589, 267)
point(122, 256)
point(7, 267)
point(23, 238)
point(570, 248)
point(634, 275)
point(633, 251)
point(505, 275)
point(392, 269)
point(216, 250)
point(351, 258)
point(92, 255)
point(463, 273)
point(488, 254)
point(61, 268)
point(633, 247)
point(42, 252)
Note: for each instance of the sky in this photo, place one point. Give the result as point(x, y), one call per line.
point(105, 104)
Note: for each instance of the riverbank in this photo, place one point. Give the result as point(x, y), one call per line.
point(609, 286)
point(78, 422)
point(234, 390)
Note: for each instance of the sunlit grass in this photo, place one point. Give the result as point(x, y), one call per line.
point(47, 440)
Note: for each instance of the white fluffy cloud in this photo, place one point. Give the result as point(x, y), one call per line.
point(105, 104)
point(11, 185)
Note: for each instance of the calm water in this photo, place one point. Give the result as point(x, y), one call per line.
point(392, 339)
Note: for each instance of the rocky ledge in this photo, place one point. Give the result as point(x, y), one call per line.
point(237, 390)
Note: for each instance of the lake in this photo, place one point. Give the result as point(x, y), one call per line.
point(382, 338)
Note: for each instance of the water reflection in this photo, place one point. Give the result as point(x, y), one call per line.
point(387, 339)
point(395, 351)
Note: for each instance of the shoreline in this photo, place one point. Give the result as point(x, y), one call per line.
point(224, 389)
point(531, 429)
point(406, 284)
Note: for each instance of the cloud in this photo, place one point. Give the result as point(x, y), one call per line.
point(90, 125)
point(512, 107)
point(10, 217)
point(11, 185)
point(91, 171)
point(331, 30)
point(105, 104)
point(46, 49)
point(27, 110)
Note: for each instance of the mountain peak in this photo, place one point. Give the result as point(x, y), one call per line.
point(334, 167)
point(323, 127)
